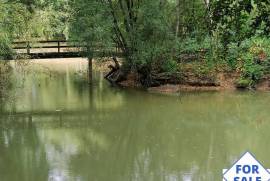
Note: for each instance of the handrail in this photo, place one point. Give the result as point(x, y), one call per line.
point(61, 46)
point(40, 41)
point(69, 47)
point(19, 45)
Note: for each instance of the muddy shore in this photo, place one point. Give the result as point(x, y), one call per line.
point(218, 81)
point(188, 82)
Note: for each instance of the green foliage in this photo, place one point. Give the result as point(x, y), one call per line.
point(152, 38)
point(216, 54)
point(253, 58)
point(170, 66)
point(252, 71)
point(28, 19)
point(256, 58)
point(91, 24)
point(193, 45)
point(5, 49)
point(13, 19)
point(191, 18)
point(242, 28)
point(239, 20)
point(50, 21)
point(236, 13)
point(244, 83)
point(233, 55)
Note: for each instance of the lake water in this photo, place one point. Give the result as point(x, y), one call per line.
point(55, 126)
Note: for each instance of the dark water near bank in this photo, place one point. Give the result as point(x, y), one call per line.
point(54, 126)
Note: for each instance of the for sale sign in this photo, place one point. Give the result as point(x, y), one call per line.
point(247, 168)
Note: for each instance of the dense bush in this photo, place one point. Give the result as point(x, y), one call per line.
point(252, 58)
point(6, 51)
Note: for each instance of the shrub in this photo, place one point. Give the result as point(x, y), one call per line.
point(255, 57)
point(233, 55)
point(244, 83)
point(192, 45)
point(253, 72)
point(169, 66)
point(6, 51)
point(251, 57)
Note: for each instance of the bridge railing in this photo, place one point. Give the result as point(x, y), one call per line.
point(54, 48)
point(58, 45)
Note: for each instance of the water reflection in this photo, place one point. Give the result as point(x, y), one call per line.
point(60, 128)
point(5, 83)
point(23, 156)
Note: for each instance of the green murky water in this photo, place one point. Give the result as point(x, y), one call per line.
point(56, 127)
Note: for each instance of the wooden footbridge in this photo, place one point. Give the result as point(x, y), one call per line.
point(59, 49)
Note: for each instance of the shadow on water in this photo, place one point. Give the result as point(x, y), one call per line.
point(60, 128)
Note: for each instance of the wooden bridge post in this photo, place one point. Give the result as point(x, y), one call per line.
point(90, 64)
point(58, 44)
point(28, 47)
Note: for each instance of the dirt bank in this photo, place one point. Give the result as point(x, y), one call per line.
point(220, 82)
point(225, 81)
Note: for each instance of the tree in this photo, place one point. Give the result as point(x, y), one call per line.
point(90, 25)
point(13, 20)
point(239, 20)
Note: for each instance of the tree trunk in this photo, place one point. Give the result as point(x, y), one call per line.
point(117, 73)
point(177, 18)
point(90, 63)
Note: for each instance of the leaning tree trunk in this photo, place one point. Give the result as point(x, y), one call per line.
point(117, 73)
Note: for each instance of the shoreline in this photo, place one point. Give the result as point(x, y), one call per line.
point(221, 81)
